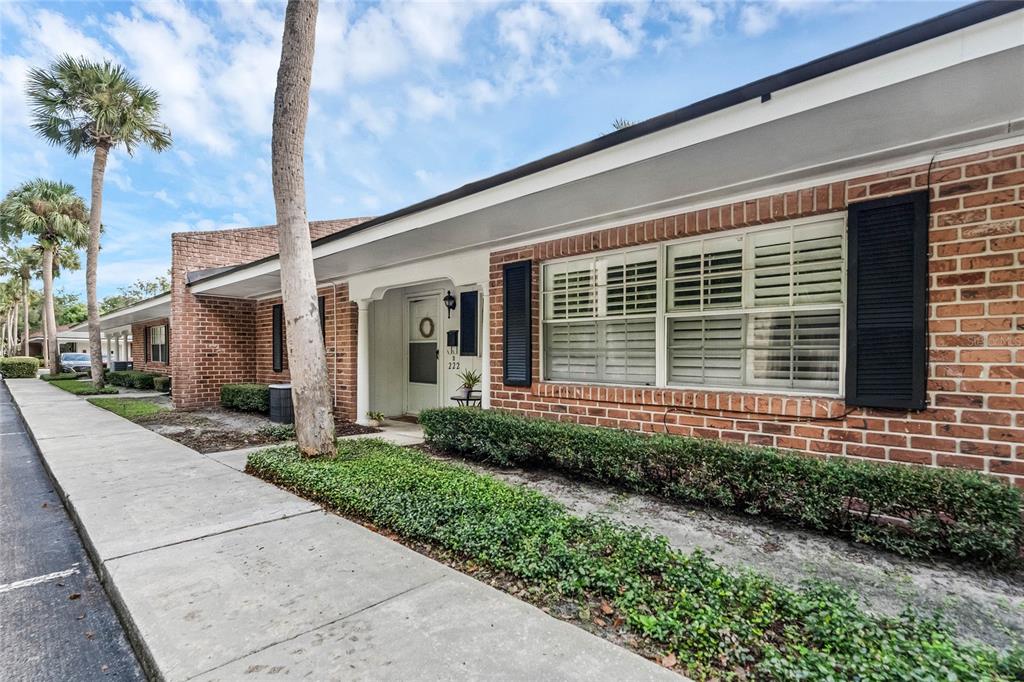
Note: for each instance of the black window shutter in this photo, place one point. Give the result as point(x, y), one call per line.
point(518, 324)
point(277, 343)
point(887, 302)
point(467, 323)
point(145, 344)
point(167, 341)
point(323, 317)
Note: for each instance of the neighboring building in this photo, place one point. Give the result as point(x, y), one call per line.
point(830, 260)
point(70, 339)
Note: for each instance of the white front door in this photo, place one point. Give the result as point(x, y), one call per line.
point(422, 354)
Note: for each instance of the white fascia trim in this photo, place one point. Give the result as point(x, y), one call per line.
point(127, 310)
point(687, 204)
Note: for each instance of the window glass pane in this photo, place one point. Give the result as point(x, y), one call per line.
point(818, 263)
point(706, 274)
point(795, 350)
point(684, 269)
point(570, 351)
point(706, 351)
point(633, 285)
point(629, 351)
point(723, 273)
point(568, 290)
point(771, 264)
point(612, 351)
point(816, 349)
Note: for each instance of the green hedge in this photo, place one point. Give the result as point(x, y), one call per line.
point(132, 379)
point(162, 383)
point(248, 397)
point(718, 623)
point(59, 377)
point(941, 511)
point(18, 367)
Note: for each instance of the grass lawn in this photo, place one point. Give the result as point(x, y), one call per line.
point(82, 387)
point(703, 619)
point(129, 408)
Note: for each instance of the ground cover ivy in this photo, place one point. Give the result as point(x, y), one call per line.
point(718, 623)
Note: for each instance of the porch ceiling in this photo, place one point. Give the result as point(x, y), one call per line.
point(967, 103)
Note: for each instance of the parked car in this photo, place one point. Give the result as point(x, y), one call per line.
point(77, 363)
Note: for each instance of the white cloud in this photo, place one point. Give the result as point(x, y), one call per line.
point(583, 24)
point(435, 29)
point(424, 103)
point(174, 51)
point(161, 195)
point(376, 119)
point(758, 19)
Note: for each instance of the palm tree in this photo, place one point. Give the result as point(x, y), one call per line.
point(10, 296)
point(53, 213)
point(82, 105)
point(307, 358)
point(20, 262)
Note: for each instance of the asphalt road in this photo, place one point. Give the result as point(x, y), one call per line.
point(56, 622)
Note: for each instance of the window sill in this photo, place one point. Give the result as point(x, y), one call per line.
point(756, 392)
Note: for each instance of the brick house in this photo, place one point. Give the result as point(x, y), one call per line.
point(829, 260)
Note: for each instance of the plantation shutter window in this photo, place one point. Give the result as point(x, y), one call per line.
point(517, 303)
point(763, 308)
point(886, 334)
point(757, 308)
point(277, 337)
point(600, 318)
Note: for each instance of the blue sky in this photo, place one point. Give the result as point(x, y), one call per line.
point(409, 99)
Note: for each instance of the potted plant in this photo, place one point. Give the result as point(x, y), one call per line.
point(470, 380)
point(376, 417)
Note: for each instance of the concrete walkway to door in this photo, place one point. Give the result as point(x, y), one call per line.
point(220, 576)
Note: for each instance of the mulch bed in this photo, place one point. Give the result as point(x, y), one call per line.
point(207, 435)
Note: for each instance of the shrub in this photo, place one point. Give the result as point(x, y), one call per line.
point(59, 377)
point(132, 379)
point(18, 367)
point(936, 511)
point(278, 432)
point(248, 397)
point(719, 623)
point(161, 383)
point(82, 387)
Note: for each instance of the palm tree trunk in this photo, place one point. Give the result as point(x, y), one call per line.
point(24, 305)
point(307, 357)
point(49, 314)
point(92, 256)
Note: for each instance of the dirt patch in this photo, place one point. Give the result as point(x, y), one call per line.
point(216, 429)
point(981, 605)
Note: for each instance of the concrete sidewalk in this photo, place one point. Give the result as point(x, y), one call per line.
point(220, 576)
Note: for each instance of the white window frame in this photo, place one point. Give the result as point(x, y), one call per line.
point(664, 316)
point(164, 355)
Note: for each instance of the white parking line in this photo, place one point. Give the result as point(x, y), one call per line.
point(28, 582)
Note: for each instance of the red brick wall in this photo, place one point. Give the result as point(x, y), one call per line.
point(213, 339)
point(138, 351)
point(339, 340)
point(975, 417)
